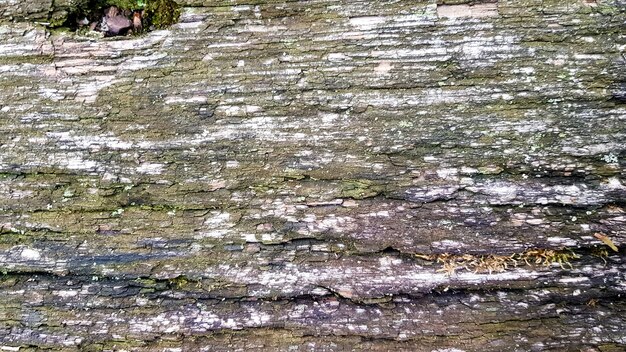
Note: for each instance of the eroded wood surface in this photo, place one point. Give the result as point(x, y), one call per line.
point(274, 175)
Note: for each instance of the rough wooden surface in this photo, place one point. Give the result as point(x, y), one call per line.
point(281, 175)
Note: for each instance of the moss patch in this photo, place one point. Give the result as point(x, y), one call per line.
point(360, 189)
point(162, 13)
point(157, 14)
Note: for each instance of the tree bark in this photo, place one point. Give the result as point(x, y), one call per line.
point(316, 175)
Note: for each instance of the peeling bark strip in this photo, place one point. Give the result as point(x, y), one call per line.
point(319, 175)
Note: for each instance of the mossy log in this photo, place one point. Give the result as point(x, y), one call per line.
point(316, 176)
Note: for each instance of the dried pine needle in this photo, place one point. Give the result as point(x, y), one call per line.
point(606, 240)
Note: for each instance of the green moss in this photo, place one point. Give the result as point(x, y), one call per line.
point(157, 13)
point(146, 282)
point(162, 13)
point(12, 239)
point(178, 282)
point(127, 4)
point(611, 347)
point(58, 19)
point(87, 6)
point(27, 59)
point(607, 10)
point(112, 345)
point(360, 189)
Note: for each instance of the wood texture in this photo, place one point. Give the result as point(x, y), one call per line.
point(297, 175)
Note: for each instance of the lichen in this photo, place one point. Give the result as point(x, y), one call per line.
point(610, 158)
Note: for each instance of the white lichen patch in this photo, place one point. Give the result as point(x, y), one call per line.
point(574, 280)
point(141, 62)
point(334, 57)
point(563, 241)
point(30, 254)
point(91, 142)
point(367, 22)
point(383, 68)
point(263, 29)
point(196, 99)
point(237, 110)
point(475, 10)
point(232, 164)
point(87, 92)
point(610, 158)
point(218, 219)
point(448, 245)
point(448, 174)
point(66, 293)
point(50, 93)
point(420, 55)
point(429, 194)
point(71, 160)
point(150, 168)
point(335, 223)
point(388, 262)
point(535, 221)
point(614, 183)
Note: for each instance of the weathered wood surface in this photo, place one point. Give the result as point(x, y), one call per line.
point(262, 175)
